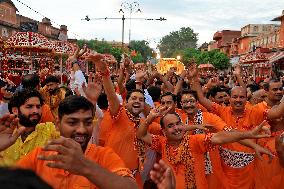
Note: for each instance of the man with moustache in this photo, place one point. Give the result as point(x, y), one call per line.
point(27, 106)
point(121, 136)
point(70, 162)
point(238, 161)
point(52, 94)
point(185, 152)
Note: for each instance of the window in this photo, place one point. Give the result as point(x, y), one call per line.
point(273, 38)
point(2, 12)
point(265, 41)
point(277, 38)
point(5, 32)
point(255, 29)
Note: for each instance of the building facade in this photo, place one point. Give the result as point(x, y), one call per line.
point(223, 39)
point(11, 22)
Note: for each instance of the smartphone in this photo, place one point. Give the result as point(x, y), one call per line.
point(11, 88)
point(3, 83)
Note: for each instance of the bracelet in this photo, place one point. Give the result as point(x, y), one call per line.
point(105, 74)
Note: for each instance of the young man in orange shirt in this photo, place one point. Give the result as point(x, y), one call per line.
point(125, 121)
point(70, 162)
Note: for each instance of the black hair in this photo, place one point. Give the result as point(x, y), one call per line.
point(155, 93)
point(189, 92)
point(162, 118)
point(20, 98)
point(130, 92)
point(213, 91)
point(130, 85)
point(21, 178)
point(158, 82)
point(30, 81)
point(169, 94)
point(253, 87)
point(72, 104)
point(267, 85)
point(51, 78)
point(102, 101)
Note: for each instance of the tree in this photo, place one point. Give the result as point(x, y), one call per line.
point(116, 52)
point(218, 59)
point(178, 40)
point(143, 48)
point(138, 58)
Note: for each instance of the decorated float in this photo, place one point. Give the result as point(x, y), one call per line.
point(165, 64)
point(206, 69)
point(256, 64)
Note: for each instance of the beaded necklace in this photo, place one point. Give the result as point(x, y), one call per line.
point(139, 145)
point(182, 155)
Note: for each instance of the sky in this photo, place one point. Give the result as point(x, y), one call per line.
point(205, 17)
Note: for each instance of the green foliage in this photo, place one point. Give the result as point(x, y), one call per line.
point(116, 52)
point(218, 59)
point(138, 58)
point(178, 40)
point(142, 47)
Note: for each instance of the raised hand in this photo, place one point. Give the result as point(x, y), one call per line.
point(192, 71)
point(261, 131)
point(160, 111)
point(126, 61)
point(259, 150)
point(8, 137)
point(82, 51)
point(99, 61)
point(163, 176)
point(69, 157)
point(94, 87)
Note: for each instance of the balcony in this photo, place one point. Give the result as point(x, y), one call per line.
point(217, 36)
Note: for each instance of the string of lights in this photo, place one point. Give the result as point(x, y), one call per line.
point(44, 16)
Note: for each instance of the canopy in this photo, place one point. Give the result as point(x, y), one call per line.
point(29, 41)
point(63, 47)
point(205, 66)
point(253, 58)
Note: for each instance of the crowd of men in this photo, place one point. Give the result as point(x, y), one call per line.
point(137, 128)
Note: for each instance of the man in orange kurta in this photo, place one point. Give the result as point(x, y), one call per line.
point(270, 175)
point(70, 162)
point(61, 179)
point(125, 121)
point(185, 152)
point(191, 114)
point(238, 160)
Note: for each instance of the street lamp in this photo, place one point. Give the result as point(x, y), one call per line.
point(131, 7)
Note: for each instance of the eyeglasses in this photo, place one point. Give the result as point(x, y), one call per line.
point(188, 101)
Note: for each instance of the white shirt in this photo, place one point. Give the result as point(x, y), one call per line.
point(77, 81)
point(3, 109)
